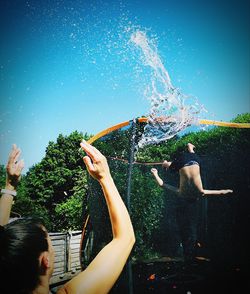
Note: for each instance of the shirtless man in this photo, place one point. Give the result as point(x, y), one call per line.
point(189, 191)
point(188, 165)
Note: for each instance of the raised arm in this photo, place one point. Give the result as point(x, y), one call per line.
point(13, 173)
point(104, 270)
point(154, 171)
point(160, 182)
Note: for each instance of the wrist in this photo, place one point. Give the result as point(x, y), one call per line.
point(106, 179)
point(10, 187)
point(8, 192)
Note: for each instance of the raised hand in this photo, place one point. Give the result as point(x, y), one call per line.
point(95, 161)
point(154, 171)
point(14, 168)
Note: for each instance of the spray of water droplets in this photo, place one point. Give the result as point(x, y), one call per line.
point(170, 110)
point(114, 51)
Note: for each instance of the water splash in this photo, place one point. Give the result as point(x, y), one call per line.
point(170, 110)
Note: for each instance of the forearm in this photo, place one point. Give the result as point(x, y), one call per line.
point(119, 217)
point(6, 202)
point(105, 268)
point(216, 192)
point(158, 180)
point(102, 272)
point(210, 192)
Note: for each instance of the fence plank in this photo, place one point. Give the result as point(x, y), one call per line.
point(67, 255)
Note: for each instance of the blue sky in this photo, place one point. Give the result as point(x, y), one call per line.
point(68, 65)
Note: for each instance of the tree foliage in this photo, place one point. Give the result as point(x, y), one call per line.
point(56, 187)
point(2, 175)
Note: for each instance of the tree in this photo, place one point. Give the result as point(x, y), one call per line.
point(51, 185)
point(2, 176)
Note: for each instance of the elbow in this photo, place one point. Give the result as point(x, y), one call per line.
point(131, 242)
point(126, 244)
point(202, 193)
point(131, 239)
point(127, 238)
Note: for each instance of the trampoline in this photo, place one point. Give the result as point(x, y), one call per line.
point(118, 143)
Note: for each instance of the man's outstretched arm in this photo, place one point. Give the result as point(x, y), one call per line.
point(216, 192)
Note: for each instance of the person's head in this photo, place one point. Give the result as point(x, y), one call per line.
point(166, 164)
point(26, 254)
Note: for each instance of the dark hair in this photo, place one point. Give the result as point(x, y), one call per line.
point(21, 243)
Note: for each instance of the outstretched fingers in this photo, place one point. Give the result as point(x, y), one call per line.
point(20, 166)
point(95, 161)
point(91, 151)
point(14, 154)
point(14, 166)
point(88, 163)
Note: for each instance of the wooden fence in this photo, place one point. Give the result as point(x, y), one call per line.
point(67, 255)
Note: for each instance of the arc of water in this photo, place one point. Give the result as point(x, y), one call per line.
point(166, 101)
